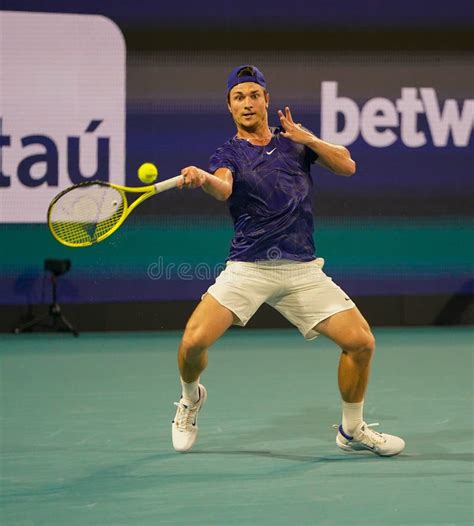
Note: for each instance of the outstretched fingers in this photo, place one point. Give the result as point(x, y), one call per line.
point(288, 115)
point(291, 130)
point(286, 120)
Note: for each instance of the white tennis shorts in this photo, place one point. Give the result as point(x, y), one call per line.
point(300, 291)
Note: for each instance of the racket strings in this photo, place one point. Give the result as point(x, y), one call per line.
point(85, 214)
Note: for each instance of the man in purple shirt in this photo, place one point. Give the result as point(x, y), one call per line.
point(264, 175)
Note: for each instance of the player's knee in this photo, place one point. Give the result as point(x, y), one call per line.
point(361, 343)
point(193, 342)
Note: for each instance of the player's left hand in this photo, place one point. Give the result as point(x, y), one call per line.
point(293, 131)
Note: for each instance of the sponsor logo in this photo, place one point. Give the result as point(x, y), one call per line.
point(42, 167)
point(62, 118)
point(381, 122)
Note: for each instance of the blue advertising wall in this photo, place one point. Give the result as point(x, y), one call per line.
point(401, 226)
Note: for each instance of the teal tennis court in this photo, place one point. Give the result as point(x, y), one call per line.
point(86, 432)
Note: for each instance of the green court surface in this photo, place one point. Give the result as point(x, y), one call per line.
point(85, 432)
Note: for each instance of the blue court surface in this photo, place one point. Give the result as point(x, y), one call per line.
point(85, 432)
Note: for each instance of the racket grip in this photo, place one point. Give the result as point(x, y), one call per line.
point(168, 184)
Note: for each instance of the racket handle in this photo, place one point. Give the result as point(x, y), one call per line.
point(168, 184)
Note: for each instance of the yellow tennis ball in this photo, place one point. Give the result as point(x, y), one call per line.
point(147, 173)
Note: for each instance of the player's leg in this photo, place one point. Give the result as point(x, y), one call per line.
point(352, 333)
point(208, 323)
point(236, 295)
point(316, 305)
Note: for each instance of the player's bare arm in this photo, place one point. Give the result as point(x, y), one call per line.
point(219, 184)
point(331, 156)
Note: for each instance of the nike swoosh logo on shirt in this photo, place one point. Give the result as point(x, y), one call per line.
point(269, 153)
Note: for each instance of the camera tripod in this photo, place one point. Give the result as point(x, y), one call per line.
point(54, 313)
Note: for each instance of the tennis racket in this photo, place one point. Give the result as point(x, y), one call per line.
point(89, 212)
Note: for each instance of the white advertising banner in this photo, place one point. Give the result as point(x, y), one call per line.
point(62, 108)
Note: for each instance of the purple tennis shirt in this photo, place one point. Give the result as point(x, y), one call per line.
point(271, 198)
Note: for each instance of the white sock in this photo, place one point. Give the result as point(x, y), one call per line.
point(351, 416)
point(190, 391)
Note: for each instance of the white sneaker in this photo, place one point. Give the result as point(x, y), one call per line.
point(184, 427)
point(366, 438)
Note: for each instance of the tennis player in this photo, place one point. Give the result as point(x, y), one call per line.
point(264, 175)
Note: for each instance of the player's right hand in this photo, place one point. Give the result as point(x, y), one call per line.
point(193, 177)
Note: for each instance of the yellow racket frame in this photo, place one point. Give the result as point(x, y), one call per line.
point(147, 192)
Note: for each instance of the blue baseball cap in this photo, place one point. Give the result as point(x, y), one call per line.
point(245, 73)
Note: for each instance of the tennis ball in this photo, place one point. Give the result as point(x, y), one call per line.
point(147, 173)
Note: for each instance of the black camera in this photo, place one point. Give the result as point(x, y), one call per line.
point(57, 266)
